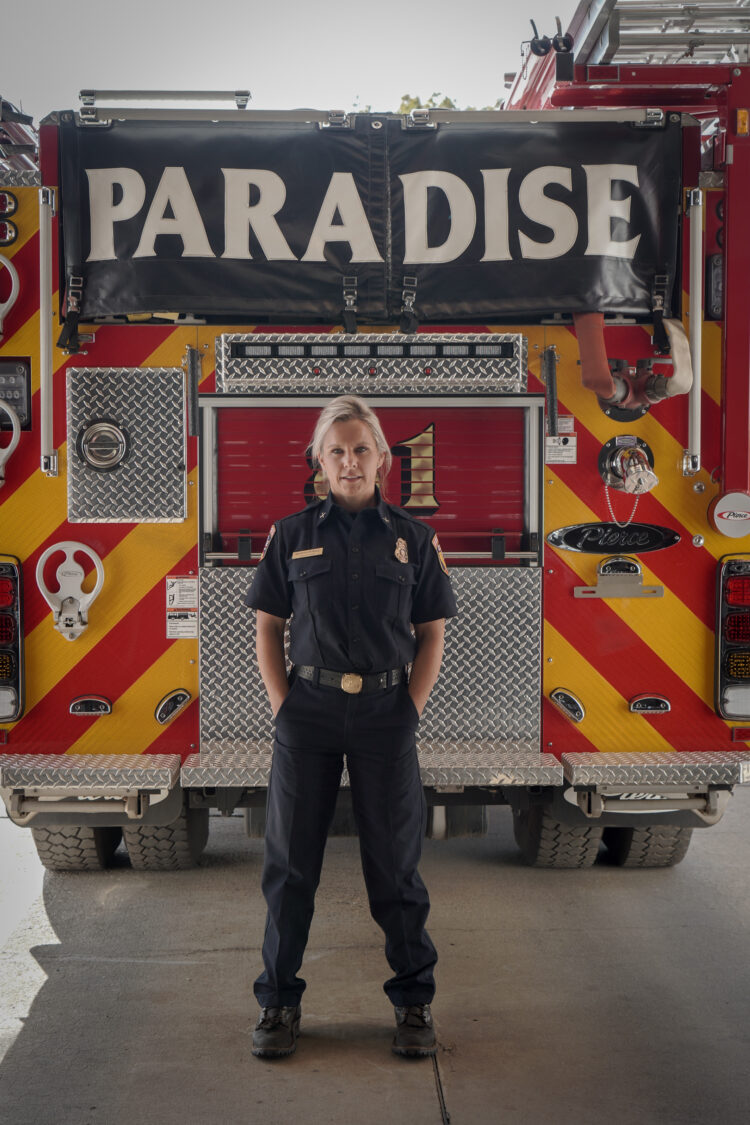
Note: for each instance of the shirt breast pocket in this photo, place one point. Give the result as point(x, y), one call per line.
point(394, 584)
point(311, 579)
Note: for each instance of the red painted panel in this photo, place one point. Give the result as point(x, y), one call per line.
point(470, 474)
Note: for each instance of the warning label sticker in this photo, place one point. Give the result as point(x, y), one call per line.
point(181, 606)
point(565, 423)
point(561, 450)
point(182, 623)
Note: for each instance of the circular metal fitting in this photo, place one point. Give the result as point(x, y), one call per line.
point(103, 445)
point(699, 486)
point(698, 540)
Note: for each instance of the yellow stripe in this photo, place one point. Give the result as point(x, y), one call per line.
point(131, 568)
point(666, 625)
point(608, 724)
point(131, 728)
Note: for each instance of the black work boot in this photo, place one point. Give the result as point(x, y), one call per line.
point(276, 1032)
point(415, 1032)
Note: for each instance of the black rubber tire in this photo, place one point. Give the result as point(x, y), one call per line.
point(70, 847)
point(656, 845)
point(168, 847)
point(547, 842)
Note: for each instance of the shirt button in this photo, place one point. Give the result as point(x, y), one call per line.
point(355, 550)
point(355, 640)
point(355, 577)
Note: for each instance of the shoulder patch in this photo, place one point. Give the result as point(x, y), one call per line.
point(271, 534)
point(441, 558)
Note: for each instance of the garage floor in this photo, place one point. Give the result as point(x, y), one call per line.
point(570, 997)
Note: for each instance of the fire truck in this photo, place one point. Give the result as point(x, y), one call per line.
point(546, 305)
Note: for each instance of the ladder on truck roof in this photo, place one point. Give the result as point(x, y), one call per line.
point(660, 32)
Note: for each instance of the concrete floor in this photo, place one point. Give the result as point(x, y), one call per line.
point(563, 997)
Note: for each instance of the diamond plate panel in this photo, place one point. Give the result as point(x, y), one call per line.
point(441, 764)
point(20, 177)
point(489, 686)
point(402, 374)
point(149, 486)
point(89, 772)
point(680, 768)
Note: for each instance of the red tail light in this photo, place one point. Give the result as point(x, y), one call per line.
point(11, 640)
point(7, 593)
point(7, 629)
point(737, 591)
point(737, 628)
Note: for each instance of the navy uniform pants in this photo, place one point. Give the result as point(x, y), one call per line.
point(315, 728)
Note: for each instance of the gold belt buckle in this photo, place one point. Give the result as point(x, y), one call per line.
point(351, 682)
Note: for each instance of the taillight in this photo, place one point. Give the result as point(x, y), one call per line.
point(737, 591)
point(11, 640)
point(8, 232)
point(733, 638)
point(737, 664)
point(8, 204)
point(737, 628)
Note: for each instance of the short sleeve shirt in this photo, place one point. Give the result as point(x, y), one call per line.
point(352, 585)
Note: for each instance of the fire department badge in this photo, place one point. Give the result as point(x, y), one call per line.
point(441, 559)
point(401, 552)
point(271, 534)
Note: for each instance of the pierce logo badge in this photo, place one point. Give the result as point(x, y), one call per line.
point(609, 538)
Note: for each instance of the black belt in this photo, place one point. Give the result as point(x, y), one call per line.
point(351, 682)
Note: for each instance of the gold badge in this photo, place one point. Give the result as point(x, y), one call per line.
point(307, 554)
point(441, 559)
point(401, 552)
point(271, 534)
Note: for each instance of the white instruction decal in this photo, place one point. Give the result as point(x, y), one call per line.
point(562, 450)
point(182, 623)
point(182, 606)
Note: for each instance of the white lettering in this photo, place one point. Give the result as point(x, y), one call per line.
point(551, 213)
point(463, 215)
point(174, 192)
point(343, 198)
point(241, 216)
point(603, 208)
point(496, 244)
point(105, 212)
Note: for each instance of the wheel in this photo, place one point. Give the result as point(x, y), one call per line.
point(460, 820)
point(655, 845)
point(168, 847)
point(71, 847)
point(547, 842)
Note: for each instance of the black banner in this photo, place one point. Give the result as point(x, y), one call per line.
point(266, 221)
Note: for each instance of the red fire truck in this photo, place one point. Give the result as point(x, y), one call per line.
point(545, 305)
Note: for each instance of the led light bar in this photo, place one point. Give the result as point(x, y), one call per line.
point(732, 691)
point(11, 640)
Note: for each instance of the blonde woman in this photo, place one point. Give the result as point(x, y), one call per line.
point(367, 590)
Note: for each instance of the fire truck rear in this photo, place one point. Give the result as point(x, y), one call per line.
point(547, 307)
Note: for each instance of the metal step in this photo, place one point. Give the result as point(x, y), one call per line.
point(232, 763)
point(684, 768)
point(75, 774)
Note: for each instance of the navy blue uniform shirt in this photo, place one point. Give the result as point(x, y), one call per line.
point(352, 584)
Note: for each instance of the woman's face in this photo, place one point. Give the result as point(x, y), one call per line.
point(350, 460)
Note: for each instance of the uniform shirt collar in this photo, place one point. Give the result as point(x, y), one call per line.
point(380, 507)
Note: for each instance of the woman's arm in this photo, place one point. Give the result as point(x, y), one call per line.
point(426, 666)
point(269, 648)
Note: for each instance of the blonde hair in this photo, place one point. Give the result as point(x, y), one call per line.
point(348, 408)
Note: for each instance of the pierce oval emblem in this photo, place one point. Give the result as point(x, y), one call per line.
point(608, 538)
